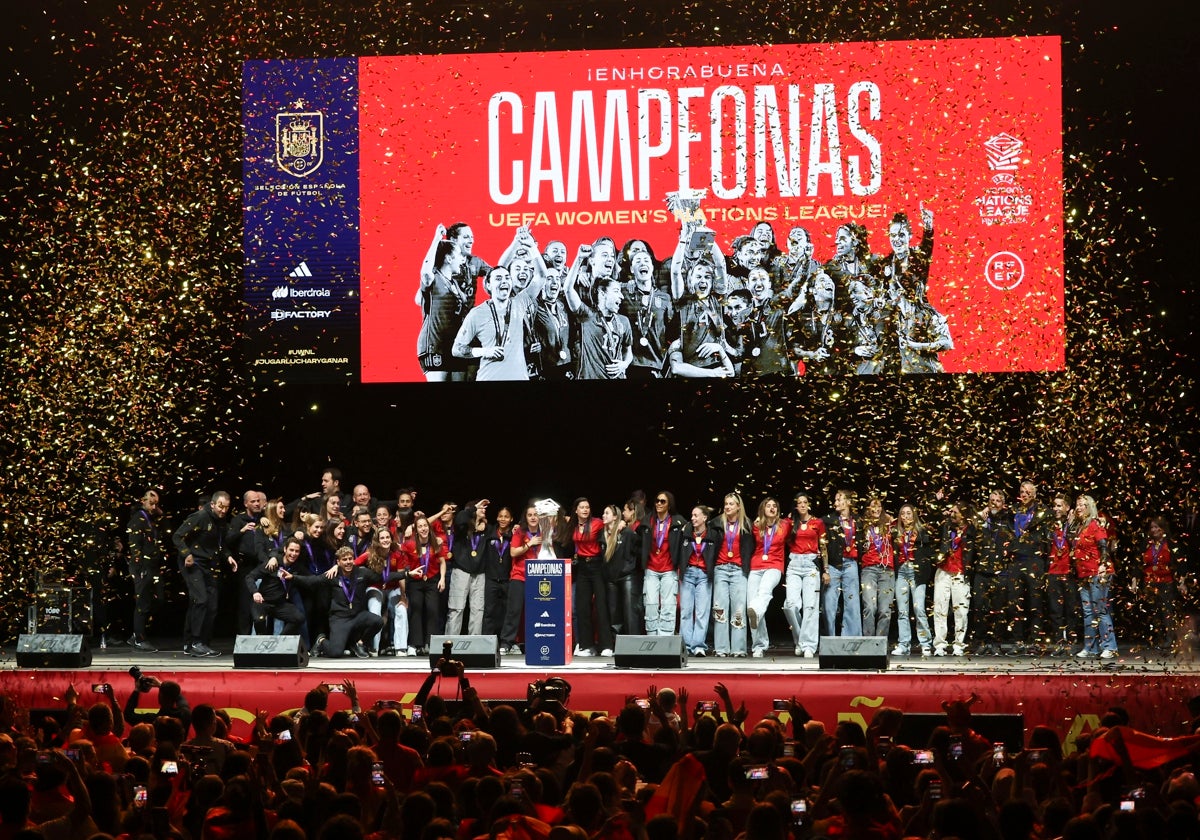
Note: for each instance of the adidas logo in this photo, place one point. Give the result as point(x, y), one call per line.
point(300, 271)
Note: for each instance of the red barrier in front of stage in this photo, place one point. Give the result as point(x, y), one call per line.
point(1070, 703)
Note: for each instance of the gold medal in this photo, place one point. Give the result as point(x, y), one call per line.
point(729, 555)
point(764, 557)
point(474, 553)
point(803, 526)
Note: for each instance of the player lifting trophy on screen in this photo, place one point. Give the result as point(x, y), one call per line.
point(701, 313)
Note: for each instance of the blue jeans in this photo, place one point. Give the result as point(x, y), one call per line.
point(911, 597)
point(843, 584)
point(695, 605)
point(878, 592)
point(660, 593)
point(760, 587)
point(802, 606)
point(1098, 632)
point(729, 609)
point(396, 610)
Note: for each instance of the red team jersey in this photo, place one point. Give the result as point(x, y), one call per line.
point(878, 548)
point(659, 534)
point(1156, 563)
point(807, 536)
point(770, 543)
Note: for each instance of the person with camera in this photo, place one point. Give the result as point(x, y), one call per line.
point(171, 702)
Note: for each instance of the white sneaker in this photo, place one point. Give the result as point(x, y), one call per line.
point(757, 654)
point(940, 650)
point(926, 651)
point(1108, 654)
point(582, 651)
point(809, 653)
point(606, 652)
point(899, 650)
point(1085, 654)
point(959, 650)
point(799, 651)
point(410, 652)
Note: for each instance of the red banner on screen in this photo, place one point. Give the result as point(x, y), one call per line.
point(964, 136)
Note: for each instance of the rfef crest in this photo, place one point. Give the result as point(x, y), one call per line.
point(299, 141)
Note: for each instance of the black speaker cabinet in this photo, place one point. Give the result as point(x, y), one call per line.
point(853, 653)
point(476, 652)
point(659, 653)
point(271, 652)
point(53, 650)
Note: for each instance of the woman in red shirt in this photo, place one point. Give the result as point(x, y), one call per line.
point(425, 560)
point(1089, 553)
point(766, 570)
point(590, 585)
point(389, 599)
point(877, 570)
point(1158, 585)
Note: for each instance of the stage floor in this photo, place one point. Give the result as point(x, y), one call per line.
point(1142, 660)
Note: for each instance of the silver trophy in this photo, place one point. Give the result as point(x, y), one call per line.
point(547, 514)
point(685, 204)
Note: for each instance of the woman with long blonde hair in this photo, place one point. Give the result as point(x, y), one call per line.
point(1093, 568)
point(730, 578)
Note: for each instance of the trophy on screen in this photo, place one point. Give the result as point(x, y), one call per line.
point(685, 204)
point(547, 514)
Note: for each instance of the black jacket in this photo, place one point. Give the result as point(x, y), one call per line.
point(674, 539)
point(710, 544)
point(745, 542)
point(202, 535)
point(340, 604)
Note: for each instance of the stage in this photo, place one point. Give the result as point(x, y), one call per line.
point(1066, 693)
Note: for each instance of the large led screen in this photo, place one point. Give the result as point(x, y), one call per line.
point(800, 210)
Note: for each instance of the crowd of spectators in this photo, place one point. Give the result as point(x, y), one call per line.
point(451, 765)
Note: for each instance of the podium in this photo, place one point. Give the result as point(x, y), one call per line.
point(548, 635)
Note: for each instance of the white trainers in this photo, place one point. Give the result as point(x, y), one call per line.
point(899, 650)
point(757, 654)
point(410, 652)
point(582, 651)
point(940, 650)
point(606, 652)
point(809, 653)
point(1108, 654)
point(959, 650)
point(1085, 654)
point(799, 651)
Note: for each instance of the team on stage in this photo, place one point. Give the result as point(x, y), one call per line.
point(614, 313)
point(355, 575)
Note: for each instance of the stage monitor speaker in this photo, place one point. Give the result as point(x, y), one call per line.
point(476, 652)
point(916, 727)
point(53, 650)
point(269, 652)
point(853, 653)
point(659, 653)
